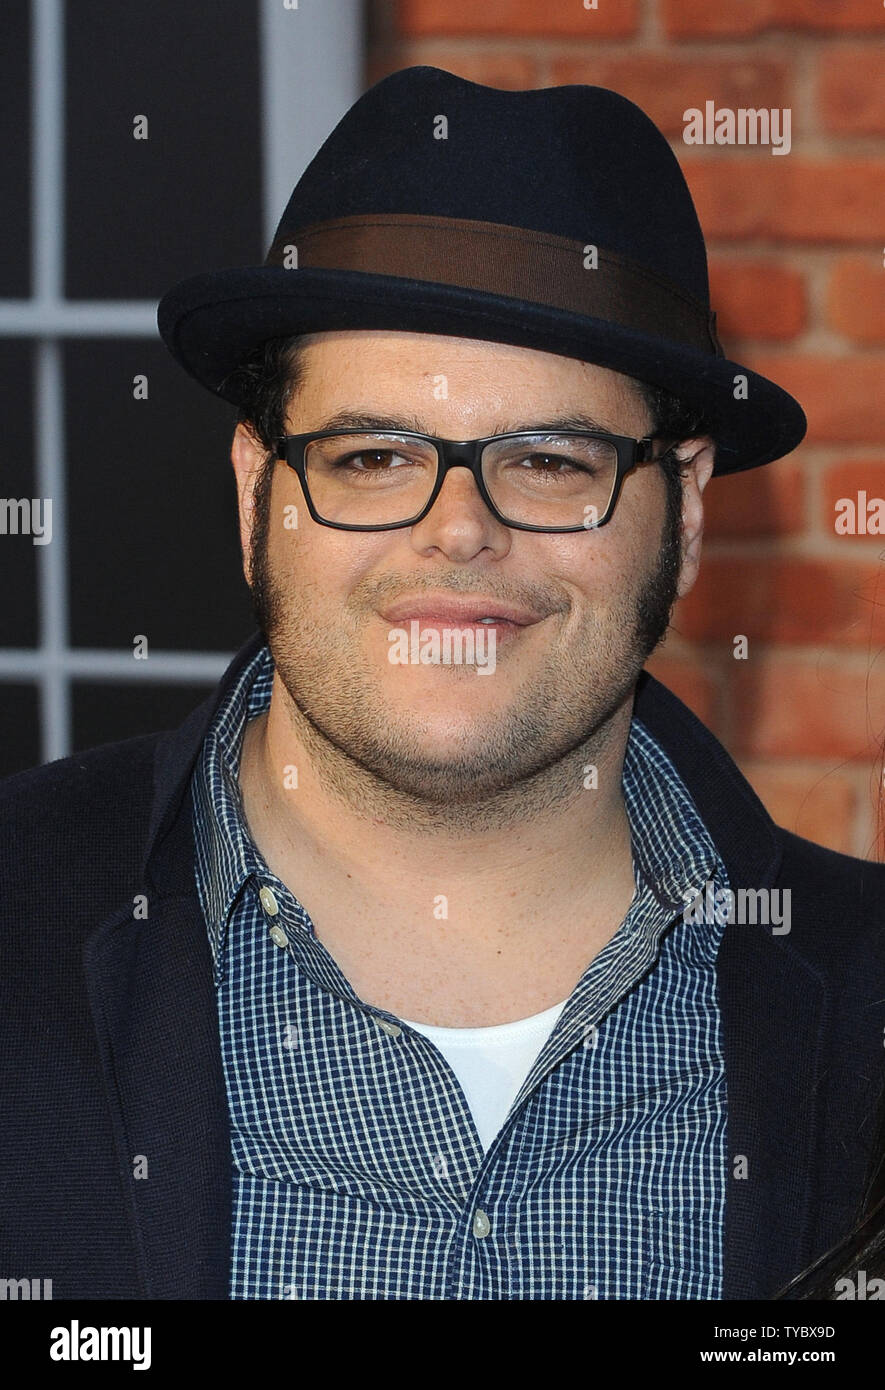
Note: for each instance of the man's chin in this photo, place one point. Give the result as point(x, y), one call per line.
point(441, 782)
point(441, 759)
point(444, 758)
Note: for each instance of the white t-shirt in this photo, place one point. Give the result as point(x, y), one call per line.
point(492, 1063)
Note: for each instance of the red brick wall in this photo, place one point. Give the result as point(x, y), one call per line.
point(797, 255)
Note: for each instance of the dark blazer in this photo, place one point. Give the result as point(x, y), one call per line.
point(110, 1048)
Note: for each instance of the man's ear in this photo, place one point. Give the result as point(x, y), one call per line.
point(247, 456)
point(699, 455)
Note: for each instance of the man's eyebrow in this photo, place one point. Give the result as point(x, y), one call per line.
point(359, 419)
point(362, 419)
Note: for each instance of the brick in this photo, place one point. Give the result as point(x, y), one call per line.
point(819, 805)
point(852, 93)
point(665, 87)
point(511, 71)
point(856, 298)
point(518, 18)
point(767, 501)
point(843, 397)
point(757, 299)
point(689, 683)
point(818, 708)
point(827, 16)
point(687, 19)
point(784, 599)
point(749, 192)
point(848, 478)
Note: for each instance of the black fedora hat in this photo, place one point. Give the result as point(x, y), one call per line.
point(555, 218)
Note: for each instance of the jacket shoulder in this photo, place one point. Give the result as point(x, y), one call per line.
point(73, 814)
point(832, 872)
point(78, 775)
point(838, 908)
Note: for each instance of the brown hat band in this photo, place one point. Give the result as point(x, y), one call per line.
point(493, 258)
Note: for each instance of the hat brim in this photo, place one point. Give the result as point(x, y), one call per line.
point(210, 322)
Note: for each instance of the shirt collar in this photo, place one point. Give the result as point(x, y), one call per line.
point(673, 851)
point(672, 846)
point(226, 853)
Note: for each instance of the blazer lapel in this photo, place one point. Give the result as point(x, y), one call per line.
point(772, 1007)
point(149, 981)
point(773, 1013)
point(153, 1002)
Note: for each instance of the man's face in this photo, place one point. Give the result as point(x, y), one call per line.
point(599, 599)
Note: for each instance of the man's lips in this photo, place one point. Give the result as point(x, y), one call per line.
point(449, 612)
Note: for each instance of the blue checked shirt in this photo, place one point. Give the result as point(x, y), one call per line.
point(357, 1170)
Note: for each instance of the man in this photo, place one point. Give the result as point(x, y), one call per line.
point(393, 972)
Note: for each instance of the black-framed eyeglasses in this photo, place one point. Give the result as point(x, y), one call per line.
point(532, 480)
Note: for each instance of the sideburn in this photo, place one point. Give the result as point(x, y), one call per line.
point(261, 587)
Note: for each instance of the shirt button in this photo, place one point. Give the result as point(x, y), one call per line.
point(268, 901)
point(392, 1028)
point(481, 1223)
point(278, 936)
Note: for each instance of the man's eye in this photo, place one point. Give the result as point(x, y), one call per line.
point(376, 458)
point(555, 462)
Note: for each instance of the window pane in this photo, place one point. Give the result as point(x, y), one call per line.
point(19, 727)
point(15, 151)
point(153, 539)
point(18, 553)
point(143, 213)
point(103, 711)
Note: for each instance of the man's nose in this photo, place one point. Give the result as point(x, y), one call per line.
point(460, 522)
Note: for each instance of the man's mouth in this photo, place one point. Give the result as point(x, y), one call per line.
point(451, 612)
